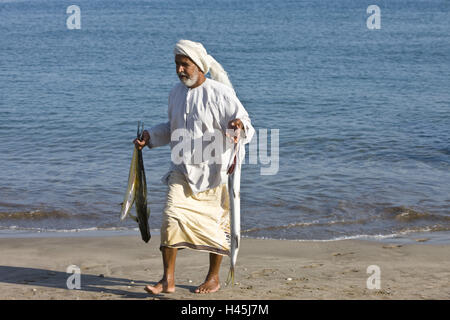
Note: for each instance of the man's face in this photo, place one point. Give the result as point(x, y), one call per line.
point(187, 70)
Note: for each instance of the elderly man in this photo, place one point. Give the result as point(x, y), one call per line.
point(196, 214)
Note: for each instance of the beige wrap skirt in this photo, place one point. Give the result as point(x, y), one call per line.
point(197, 221)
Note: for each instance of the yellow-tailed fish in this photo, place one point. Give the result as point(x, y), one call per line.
point(137, 192)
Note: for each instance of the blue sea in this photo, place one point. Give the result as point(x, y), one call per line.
point(363, 115)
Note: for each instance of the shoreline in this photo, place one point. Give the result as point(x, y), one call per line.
point(119, 267)
point(441, 237)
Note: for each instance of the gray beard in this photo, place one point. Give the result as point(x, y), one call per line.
point(190, 82)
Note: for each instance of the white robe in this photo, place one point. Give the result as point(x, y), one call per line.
point(203, 109)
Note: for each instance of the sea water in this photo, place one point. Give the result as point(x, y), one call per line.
point(363, 114)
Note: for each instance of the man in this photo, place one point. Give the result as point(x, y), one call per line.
point(196, 214)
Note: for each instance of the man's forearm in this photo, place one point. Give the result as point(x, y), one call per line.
point(159, 135)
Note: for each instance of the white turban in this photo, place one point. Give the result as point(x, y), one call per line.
point(197, 53)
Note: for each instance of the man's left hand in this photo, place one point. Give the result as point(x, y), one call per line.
point(237, 126)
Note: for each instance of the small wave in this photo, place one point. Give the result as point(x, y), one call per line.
point(38, 230)
point(17, 232)
point(287, 226)
point(411, 216)
point(93, 230)
point(304, 224)
point(408, 215)
point(404, 232)
point(354, 237)
point(33, 215)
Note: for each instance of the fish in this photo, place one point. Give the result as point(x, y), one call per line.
point(136, 193)
point(234, 186)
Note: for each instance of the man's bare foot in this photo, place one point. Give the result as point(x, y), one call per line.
point(209, 286)
point(165, 286)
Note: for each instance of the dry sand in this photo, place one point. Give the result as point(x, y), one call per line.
point(119, 267)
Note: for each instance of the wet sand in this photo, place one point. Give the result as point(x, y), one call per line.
point(119, 267)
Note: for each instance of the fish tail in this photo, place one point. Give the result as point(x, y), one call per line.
point(230, 278)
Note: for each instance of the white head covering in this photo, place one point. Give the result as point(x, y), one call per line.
point(197, 53)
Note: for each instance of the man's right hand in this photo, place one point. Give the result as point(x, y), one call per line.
point(144, 142)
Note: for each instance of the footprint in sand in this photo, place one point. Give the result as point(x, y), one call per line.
point(392, 246)
point(353, 270)
point(263, 273)
point(337, 254)
point(314, 265)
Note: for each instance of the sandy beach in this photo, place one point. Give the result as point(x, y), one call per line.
point(119, 267)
